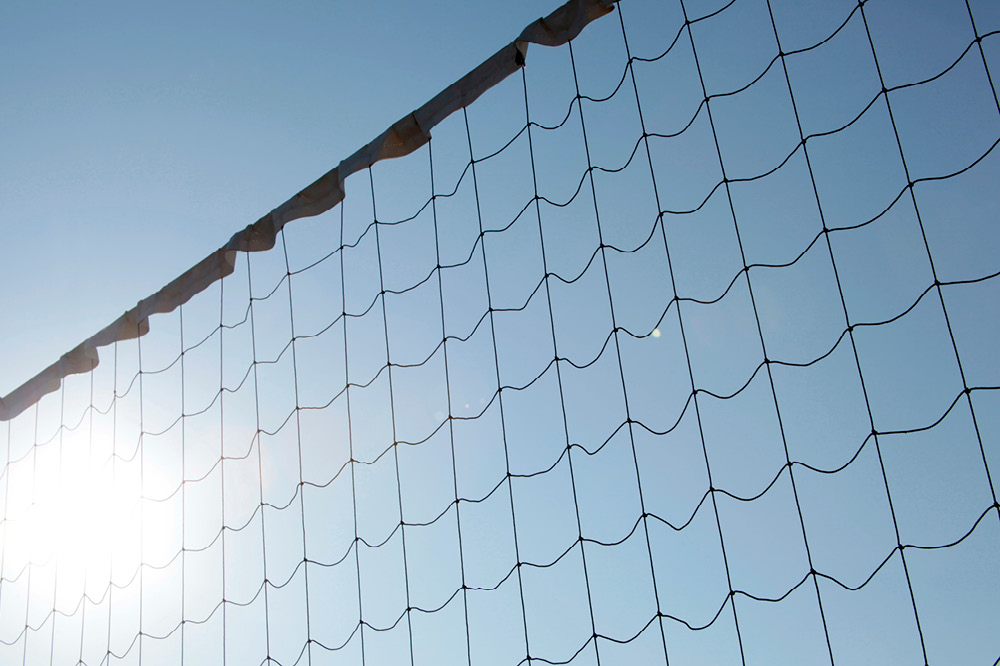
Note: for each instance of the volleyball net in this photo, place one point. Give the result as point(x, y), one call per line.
point(668, 336)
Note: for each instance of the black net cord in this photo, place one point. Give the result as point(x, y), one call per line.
point(59, 476)
point(614, 326)
point(350, 441)
point(731, 600)
point(6, 504)
point(180, 318)
point(222, 457)
point(849, 327)
point(90, 456)
point(392, 410)
point(142, 494)
point(114, 479)
point(258, 439)
point(300, 489)
point(562, 400)
point(31, 564)
point(760, 336)
point(499, 390)
point(923, 233)
point(447, 387)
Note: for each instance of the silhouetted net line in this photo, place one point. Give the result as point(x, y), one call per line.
point(288, 604)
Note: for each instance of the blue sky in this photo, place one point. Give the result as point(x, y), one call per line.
point(741, 398)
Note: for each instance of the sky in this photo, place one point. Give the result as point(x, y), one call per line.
point(675, 387)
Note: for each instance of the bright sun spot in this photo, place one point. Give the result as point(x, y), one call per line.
point(77, 523)
point(81, 521)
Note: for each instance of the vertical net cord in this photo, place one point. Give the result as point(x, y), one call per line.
point(496, 362)
point(6, 518)
point(392, 411)
point(982, 54)
point(850, 332)
point(645, 139)
point(614, 324)
point(55, 555)
point(31, 564)
point(927, 247)
point(930, 259)
point(114, 481)
point(965, 385)
point(731, 595)
point(222, 455)
point(562, 401)
point(923, 234)
point(451, 420)
point(180, 317)
point(760, 337)
point(142, 491)
point(968, 391)
point(350, 441)
point(300, 489)
point(258, 437)
point(90, 456)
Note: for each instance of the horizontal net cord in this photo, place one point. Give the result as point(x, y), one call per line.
point(641, 519)
point(577, 363)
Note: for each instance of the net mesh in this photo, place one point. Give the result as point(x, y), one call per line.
point(677, 346)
